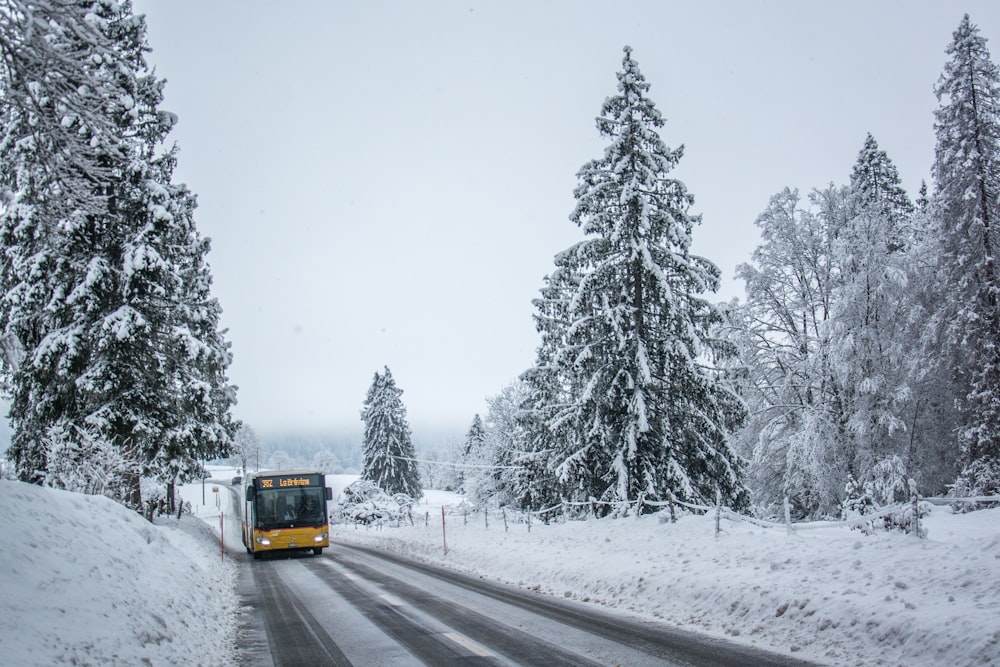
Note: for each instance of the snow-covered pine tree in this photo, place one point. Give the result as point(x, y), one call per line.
point(124, 337)
point(967, 199)
point(649, 417)
point(869, 347)
point(544, 421)
point(472, 452)
point(198, 425)
point(57, 141)
point(387, 449)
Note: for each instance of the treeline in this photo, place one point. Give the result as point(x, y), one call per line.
point(865, 355)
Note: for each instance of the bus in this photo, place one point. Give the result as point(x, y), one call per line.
point(285, 510)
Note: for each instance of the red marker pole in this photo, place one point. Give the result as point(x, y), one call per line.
point(444, 536)
point(222, 534)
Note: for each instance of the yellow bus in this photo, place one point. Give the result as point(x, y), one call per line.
point(285, 510)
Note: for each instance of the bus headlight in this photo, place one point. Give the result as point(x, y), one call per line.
point(320, 537)
point(263, 541)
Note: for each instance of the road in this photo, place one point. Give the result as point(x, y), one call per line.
point(356, 606)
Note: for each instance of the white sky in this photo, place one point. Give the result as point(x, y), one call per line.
point(386, 183)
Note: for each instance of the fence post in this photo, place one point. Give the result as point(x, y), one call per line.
point(788, 516)
point(486, 515)
point(503, 510)
point(916, 515)
point(638, 505)
point(529, 520)
point(670, 504)
point(718, 513)
point(427, 519)
point(444, 536)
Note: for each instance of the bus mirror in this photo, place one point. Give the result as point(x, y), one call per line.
point(250, 492)
point(329, 493)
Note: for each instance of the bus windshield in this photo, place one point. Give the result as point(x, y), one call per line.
point(289, 508)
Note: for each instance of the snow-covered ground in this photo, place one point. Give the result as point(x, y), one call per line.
point(831, 595)
point(84, 581)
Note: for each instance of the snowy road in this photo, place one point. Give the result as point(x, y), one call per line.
point(355, 606)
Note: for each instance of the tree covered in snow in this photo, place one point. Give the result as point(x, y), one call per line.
point(326, 461)
point(782, 339)
point(246, 449)
point(87, 465)
point(869, 341)
point(57, 140)
point(56, 133)
point(472, 450)
point(627, 354)
point(387, 449)
point(826, 338)
point(499, 469)
point(109, 297)
point(967, 202)
point(505, 448)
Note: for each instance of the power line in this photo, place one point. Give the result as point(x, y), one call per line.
point(459, 465)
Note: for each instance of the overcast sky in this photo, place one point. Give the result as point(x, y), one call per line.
point(387, 183)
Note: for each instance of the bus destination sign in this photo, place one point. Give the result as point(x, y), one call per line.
point(289, 481)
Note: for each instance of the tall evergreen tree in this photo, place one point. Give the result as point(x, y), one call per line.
point(472, 450)
point(123, 344)
point(627, 329)
point(967, 199)
point(387, 449)
point(57, 142)
point(869, 350)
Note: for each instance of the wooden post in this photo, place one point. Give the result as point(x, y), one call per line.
point(444, 536)
point(788, 516)
point(718, 513)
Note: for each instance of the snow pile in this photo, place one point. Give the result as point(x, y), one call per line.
point(831, 595)
point(85, 581)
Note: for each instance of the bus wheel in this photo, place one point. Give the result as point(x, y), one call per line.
point(256, 555)
point(317, 550)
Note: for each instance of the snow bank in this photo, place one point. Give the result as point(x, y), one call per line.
point(85, 581)
point(831, 595)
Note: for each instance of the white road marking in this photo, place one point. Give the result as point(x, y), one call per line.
point(465, 642)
